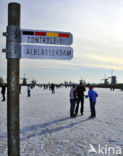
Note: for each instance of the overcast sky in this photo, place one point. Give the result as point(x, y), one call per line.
point(97, 28)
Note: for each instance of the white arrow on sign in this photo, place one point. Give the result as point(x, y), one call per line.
point(46, 52)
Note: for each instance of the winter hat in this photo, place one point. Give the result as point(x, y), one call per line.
point(90, 87)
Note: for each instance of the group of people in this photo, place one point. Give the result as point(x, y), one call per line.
point(77, 97)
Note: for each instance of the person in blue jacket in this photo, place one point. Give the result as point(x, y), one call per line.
point(92, 96)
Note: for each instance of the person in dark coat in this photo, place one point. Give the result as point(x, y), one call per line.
point(28, 91)
point(80, 98)
point(19, 89)
point(52, 88)
point(3, 90)
point(92, 95)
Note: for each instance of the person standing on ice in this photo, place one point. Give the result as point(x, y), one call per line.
point(3, 91)
point(28, 91)
point(72, 100)
point(19, 89)
point(52, 88)
point(92, 96)
point(80, 98)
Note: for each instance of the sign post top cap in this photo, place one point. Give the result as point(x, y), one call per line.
point(13, 3)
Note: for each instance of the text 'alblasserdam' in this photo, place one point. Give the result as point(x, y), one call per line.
point(45, 52)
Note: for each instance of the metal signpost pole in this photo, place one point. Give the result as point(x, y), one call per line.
point(13, 61)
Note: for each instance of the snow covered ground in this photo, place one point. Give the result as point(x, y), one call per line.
point(47, 130)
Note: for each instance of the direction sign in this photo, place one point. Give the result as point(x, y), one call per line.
point(46, 52)
point(46, 37)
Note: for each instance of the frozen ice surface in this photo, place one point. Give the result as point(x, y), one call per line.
point(47, 130)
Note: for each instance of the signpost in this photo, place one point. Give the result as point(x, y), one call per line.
point(33, 50)
point(13, 72)
point(46, 37)
point(46, 52)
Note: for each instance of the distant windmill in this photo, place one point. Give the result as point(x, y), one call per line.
point(105, 80)
point(33, 82)
point(24, 80)
point(83, 81)
point(113, 80)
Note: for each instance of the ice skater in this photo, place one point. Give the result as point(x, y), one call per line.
point(28, 91)
point(20, 89)
point(92, 96)
point(52, 88)
point(3, 90)
point(72, 100)
point(80, 98)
